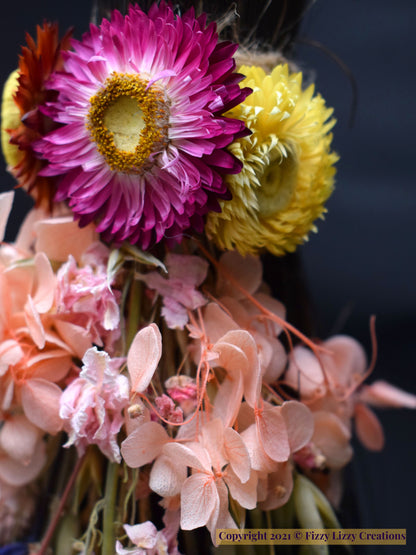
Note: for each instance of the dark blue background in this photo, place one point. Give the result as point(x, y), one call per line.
point(362, 261)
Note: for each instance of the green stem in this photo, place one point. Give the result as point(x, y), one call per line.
point(109, 509)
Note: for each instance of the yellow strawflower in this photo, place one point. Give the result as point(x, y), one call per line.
point(10, 119)
point(288, 171)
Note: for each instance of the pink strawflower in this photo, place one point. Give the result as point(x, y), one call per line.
point(178, 289)
point(91, 406)
point(142, 145)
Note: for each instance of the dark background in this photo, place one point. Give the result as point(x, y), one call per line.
point(362, 261)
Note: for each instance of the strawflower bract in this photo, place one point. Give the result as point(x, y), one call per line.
point(142, 146)
point(288, 167)
point(23, 121)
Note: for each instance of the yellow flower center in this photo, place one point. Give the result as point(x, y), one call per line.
point(128, 120)
point(277, 184)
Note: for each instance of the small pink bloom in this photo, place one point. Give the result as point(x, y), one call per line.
point(167, 409)
point(147, 539)
point(183, 390)
point(91, 406)
point(178, 290)
point(85, 297)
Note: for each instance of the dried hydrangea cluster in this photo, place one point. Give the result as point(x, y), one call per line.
point(135, 375)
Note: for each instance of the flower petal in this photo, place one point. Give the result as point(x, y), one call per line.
point(368, 428)
point(40, 400)
point(143, 357)
point(199, 500)
point(144, 444)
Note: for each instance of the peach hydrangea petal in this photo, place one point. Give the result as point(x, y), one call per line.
point(278, 361)
point(347, 359)
point(52, 365)
point(40, 401)
point(230, 392)
point(332, 438)
point(246, 271)
point(193, 455)
point(368, 428)
point(16, 286)
point(34, 323)
point(259, 460)
point(143, 357)
point(10, 354)
point(76, 337)
point(167, 476)
point(144, 444)
point(383, 394)
point(199, 500)
point(245, 493)
point(271, 304)
point(60, 237)
point(220, 516)
point(272, 430)
point(299, 424)
point(251, 370)
point(212, 439)
point(279, 487)
point(26, 235)
point(43, 292)
point(304, 372)
point(6, 201)
point(237, 454)
point(217, 322)
point(19, 437)
point(16, 473)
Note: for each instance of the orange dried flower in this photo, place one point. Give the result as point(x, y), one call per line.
point(38, 60)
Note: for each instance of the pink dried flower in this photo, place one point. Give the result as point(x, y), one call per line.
point(84, 298)
point(147, 539)
point(142, 145)
point(92, 405)
point(183, 391)
point(167, 409)
point(178, 289)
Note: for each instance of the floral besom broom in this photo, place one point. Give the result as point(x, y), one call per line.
point(188, 398)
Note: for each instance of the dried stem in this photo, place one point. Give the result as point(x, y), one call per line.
point(54, 522)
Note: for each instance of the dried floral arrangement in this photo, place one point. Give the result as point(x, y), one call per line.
point(150, 384)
